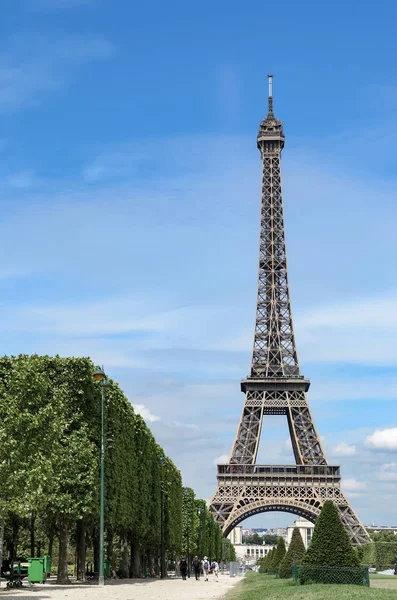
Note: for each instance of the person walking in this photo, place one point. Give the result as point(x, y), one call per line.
point(197, 567)
point(183, 567)
point(206, 566)
point(215, 569)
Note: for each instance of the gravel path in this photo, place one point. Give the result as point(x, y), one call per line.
point(128, 589)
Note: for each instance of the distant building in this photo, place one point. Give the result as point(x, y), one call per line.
point(306, 530)
point(250, 553)
point(279, 531)
point(260, 531)
point(236, 536)
point(378, 528)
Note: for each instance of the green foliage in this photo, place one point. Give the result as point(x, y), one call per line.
point(266, 561)
point(330, 546)
point(383, 536)
point(279, 553)
point(255, 538)
point(228, 553)
point(294, 555)
point(379, 554)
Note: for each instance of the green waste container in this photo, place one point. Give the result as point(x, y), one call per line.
point(106, 568)
point(36, 572)
point(47, 564)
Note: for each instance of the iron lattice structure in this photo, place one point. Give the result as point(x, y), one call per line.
point(276, 386)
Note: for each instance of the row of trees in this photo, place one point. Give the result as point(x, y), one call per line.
point(282, 559)
point(49, 473)
point(202, 535)
point(381, 552)
point(256, 538)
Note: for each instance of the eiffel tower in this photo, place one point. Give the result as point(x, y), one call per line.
point(276, 386)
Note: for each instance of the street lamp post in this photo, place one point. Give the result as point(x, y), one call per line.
point(99, 375)
point(200, 511)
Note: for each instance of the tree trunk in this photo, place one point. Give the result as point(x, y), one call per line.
point(32, 539)
point(51, 540)
point(135, 567)
point(63, 577)
point(1, 543)
point(149, 564)
point(95, 549)
point(80, 549)
point(156, 566)
point(124, 559)
point(110, 553)
point(14, 541)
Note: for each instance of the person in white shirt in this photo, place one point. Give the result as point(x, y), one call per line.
point(206, 566)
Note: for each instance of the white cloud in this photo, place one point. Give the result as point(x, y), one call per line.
point(383, 439)
point(221, 460)
point(344, 449)
point(190, 426)
point(352, 485)
point(145, 413)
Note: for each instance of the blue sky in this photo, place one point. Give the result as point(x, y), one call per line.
point(129, 191)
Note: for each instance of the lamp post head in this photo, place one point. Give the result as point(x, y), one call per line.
point(105, 383)
point(162, 460)
point(99, 374)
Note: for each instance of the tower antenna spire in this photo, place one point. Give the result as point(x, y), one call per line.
point(270, 97)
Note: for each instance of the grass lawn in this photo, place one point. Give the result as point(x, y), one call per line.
point(386, 582)
point(261, 587)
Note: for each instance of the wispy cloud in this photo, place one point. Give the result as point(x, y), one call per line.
point(343, 449)
point(352, 485)
point(361, 331)
point(30, 67)
point(388, 472)
point(23, 179)
point(221, 460)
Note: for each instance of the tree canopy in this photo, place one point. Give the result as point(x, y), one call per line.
point(49, 469)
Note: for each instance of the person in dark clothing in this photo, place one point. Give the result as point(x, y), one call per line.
point(183, 567)
point(197, 567)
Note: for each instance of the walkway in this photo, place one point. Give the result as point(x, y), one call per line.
point(128, 589)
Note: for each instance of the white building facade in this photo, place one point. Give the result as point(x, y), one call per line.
point(236, 535)
point(250, 553)
point(306, 530)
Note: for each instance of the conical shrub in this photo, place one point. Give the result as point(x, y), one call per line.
point(266, 562)
point(330, 546)
point(294, 556)
point(279, 553)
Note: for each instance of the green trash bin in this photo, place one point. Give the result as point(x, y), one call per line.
point(106, 568)
point(47, 564)
point(36, 572)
